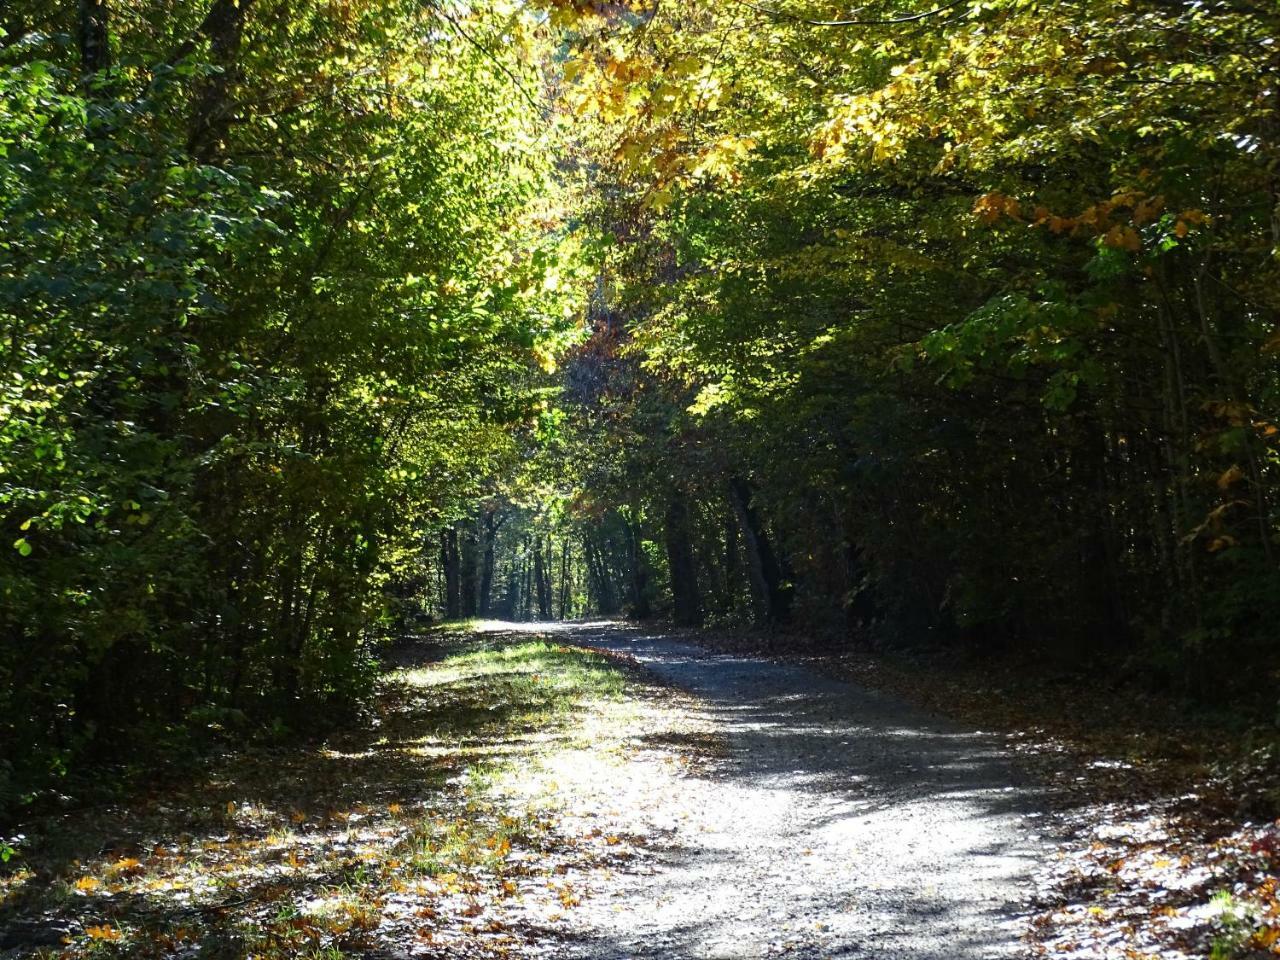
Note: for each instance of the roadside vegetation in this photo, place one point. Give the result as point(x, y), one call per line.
point(408, 827)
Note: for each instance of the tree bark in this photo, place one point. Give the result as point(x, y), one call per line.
point(526, 605)
point(452, 582)
point(470, 567)
point(598, 576)
point(486, 570)
point(732, 564)
point(94, 39)
point(773, 596)
point(564, 579)
point(223, 26)
point(640, 606)
point(542, 583)
point(686, 602)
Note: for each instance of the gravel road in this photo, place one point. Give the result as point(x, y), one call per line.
point(837, 822)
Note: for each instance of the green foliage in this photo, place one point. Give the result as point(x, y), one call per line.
point(954, 327)
point(983, 306)
point(276, 285)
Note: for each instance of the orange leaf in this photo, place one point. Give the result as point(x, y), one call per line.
point(1148, 210)
point(1123, 238)
point(1231, 475)
point(990, 207)
point(1266, 937)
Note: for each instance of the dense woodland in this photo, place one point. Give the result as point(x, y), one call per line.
point(899, 324)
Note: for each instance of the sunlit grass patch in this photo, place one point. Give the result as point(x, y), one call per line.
point(537, 669)
point(475, 844)
point(511, 687)
point(396, 832)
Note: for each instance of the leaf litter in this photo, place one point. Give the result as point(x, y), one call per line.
point(438, 829)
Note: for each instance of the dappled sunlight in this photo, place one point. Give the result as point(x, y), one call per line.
point(392, 833)
point(802, 816)
point(518, 795)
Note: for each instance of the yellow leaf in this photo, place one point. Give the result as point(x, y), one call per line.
point(123, 866)
point(103, 932)
point(1267, 937)
point(87, 884)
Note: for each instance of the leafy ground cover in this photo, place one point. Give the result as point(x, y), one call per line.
point(431, 827)
point(1169, 842)
point(1167, 812)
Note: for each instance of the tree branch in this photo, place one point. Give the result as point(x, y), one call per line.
point(519, 84)
point(906, 18)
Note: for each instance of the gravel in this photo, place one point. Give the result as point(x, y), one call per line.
point(833, 822)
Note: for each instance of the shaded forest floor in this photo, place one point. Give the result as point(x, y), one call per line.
point(486, 809)
point(1168, 810)
point(430, 831)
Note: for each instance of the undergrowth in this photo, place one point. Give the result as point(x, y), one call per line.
point(389, 832)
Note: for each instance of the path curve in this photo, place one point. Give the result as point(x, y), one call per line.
point(840, 822)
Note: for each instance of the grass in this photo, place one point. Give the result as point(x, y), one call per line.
point(397, 832)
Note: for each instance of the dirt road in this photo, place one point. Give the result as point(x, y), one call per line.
point(836, 822)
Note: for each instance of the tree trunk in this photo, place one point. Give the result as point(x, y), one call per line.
point(526, 605)
point(686, 603)
point(486, 571)
point(598, 576)
point(640, 607)
point(564, 579)
point(732, 564)
point(470, 572)
point(224, 28)
point(859, 603)
point(94, 42)
point(452, 581)
point(773, 597)
point(543, 585)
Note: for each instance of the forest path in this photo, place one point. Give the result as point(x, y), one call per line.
point(832, 821)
